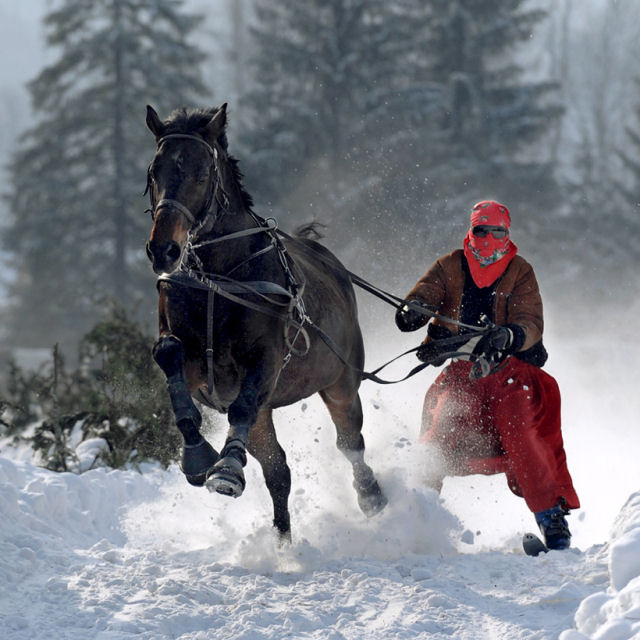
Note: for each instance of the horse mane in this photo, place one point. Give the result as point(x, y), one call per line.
point(185, 120)
point(309, 235)
point(310, 230)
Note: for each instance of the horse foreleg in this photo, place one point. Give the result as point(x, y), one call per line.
point(346, 414)
point(227, 475)
point(198, 456)
point(265, 448)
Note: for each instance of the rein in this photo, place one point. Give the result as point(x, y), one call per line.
point(482, 367)
point(295, 315)
point(229, 288)
point(397, 302)
point(474, 332)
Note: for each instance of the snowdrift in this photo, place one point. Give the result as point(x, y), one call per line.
point(118, 554)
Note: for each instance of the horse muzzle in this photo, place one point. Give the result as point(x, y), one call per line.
point(164, 256)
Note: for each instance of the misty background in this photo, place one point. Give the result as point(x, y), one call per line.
point(384, 121)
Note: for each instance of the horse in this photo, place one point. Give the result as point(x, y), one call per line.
point(250, 319)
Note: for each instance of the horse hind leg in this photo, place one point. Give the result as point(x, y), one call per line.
point(198, 456)
point(346, 413)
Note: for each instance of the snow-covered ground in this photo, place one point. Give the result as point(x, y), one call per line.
point(113, 555)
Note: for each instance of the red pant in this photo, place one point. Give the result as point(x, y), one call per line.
point(508, 422)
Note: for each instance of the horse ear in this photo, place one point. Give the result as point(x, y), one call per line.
point(217, 123)
point(154, 123)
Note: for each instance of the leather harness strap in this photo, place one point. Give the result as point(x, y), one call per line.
point(209, 350)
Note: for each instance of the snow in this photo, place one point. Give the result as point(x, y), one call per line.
point(120, 554)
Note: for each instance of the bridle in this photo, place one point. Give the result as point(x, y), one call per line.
point(197, 221)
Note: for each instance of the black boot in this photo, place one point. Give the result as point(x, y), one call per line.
point(554, 527)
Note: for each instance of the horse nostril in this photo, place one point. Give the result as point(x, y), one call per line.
point(173, 251)
point(149, 254)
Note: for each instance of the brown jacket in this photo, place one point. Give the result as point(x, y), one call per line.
point(517, 301)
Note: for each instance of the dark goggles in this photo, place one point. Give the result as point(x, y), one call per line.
point(481, 231)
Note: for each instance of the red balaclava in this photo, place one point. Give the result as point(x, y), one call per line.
point(488, 257)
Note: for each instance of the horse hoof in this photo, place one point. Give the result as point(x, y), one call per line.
point(226, 477)
point(284, 539)
point(373, 501)
point(197, 459)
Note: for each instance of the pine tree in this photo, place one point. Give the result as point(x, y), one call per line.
point(602, 174)
point(368, 112)
point(498, 119)
point(77, 229)
point(624, 222)
point(337, 89)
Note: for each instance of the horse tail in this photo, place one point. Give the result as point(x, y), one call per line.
point(310, 230)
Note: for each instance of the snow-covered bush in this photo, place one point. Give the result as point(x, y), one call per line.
point(116, 397)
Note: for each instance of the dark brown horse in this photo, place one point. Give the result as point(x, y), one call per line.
point(242, 314)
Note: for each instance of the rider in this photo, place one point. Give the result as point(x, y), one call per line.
point(507, 421)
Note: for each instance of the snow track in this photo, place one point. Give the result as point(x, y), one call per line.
point(117, 555)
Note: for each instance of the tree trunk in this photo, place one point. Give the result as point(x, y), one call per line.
point(238, 44)
point(119, 215)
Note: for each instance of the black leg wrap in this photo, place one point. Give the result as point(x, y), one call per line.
point(184, 409)
point(236, 448)
point(169, 354)
point(197, 459)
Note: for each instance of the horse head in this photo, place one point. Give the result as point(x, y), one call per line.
point(182, 180)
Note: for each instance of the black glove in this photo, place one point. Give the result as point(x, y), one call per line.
point(432, 353)
point(500, 342)
point(410, 319)
point(437, 351)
